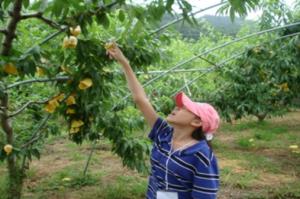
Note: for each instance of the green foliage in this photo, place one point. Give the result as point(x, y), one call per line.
point(240, 7)
point(262, 82)
point(125, 187)
point(275, 13)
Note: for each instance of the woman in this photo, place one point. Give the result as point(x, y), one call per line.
point(183, 165)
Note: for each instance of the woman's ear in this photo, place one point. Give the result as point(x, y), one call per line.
point(196, 123)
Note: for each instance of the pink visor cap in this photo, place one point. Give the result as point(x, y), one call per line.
point(207, 113)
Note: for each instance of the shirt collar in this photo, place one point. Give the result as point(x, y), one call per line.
point(190, 149)
point(194, 148)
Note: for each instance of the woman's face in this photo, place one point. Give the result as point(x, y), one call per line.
point(181, 116)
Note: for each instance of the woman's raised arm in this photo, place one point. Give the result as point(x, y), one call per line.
point(137, 91)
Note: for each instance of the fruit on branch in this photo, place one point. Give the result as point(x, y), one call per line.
point(54, 103)
point(60, 97)
point(75, 31)
point(75, 126)
point(85, 83)
point(70, 100)
point(39, 71)
point(74, 130)
point(8, 149)
point(284, 87)
point(76, 123)
point(11, 69)
point(110, 45)
point(70, 111)
point(51, 105)
point(70, 42)
point(65, 69)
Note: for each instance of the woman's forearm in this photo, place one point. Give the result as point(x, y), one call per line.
point(137, 90)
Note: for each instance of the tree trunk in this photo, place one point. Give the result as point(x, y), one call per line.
point(15, 179)
point(15, 172)
point(261, 116)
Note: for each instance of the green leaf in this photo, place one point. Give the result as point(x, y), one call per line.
point(169, 5)
point(121, 15)
point(103, 19)
point(26, 3)
point(35, 152)
point(6, 3)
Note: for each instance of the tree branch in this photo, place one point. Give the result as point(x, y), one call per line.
point(94, 12)
point(62, 78)
point(6, 126)
point(26, 105)
point(39, 15)
point(11, 28)
point(3, 31)
point(35, 135)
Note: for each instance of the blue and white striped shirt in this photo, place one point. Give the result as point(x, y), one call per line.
point(192, 172)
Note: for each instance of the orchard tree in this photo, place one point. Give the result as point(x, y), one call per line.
point(62, 43)
point(264, 81)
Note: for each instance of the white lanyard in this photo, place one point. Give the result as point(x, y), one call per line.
point(169, 156)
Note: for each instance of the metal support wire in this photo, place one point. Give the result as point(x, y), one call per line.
point(219, 65)
point(155, 72)
point(208, 51)
point(181, 18)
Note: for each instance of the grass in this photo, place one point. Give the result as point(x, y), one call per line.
point(254, 159)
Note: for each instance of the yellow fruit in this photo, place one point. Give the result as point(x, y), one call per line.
point(293, 146)
point(284, 87)
point(70, 111)
point(74, 130)
point(85, 83)
point(11, 69)
point(75, 31)
point(70, 42)
point(70, 100)
point(73, 42)
point(40, 71)
point(60, 97)
point(110, 45)
point(8, 148)
point(54, 102)
point(50, 108)
point(66, 42)
point(65, 69)
point(52, 105)
point(76, 123)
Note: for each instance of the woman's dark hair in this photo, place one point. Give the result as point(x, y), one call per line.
point(198, 134)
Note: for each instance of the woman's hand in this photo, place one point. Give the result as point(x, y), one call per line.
point(115, 52)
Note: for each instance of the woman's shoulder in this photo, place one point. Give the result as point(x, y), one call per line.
point(160, 130)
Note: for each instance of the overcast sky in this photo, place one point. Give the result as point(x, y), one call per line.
point(198, 4)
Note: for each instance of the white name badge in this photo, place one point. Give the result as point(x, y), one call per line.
point(166, 195)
